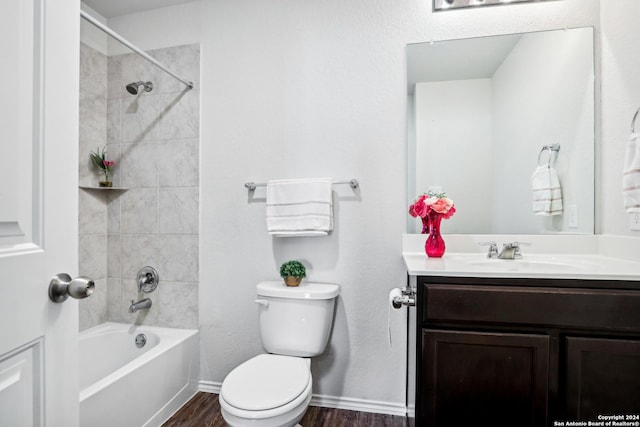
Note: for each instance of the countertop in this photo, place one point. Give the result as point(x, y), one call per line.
point(585, 258)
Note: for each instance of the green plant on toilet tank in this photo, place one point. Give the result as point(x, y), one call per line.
point(293, 272)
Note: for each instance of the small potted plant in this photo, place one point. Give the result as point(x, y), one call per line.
point(99, 160)
point(293, 272)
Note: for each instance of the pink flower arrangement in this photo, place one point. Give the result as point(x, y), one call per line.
point(99, 160)
point(430, 202)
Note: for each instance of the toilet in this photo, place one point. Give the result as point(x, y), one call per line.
point(274, 389)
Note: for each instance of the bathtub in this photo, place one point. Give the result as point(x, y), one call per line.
point(126, 386)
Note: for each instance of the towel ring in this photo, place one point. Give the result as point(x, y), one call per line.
point(550, 148)
point(633, 121)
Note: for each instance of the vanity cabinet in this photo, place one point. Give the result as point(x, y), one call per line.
point(526, 352)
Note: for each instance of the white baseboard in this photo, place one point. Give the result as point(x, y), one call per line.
point(411, 411)
point(348, 403)
point(209, 386)
point(361, 405)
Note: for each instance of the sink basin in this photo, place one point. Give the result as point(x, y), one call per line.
point(530, 263)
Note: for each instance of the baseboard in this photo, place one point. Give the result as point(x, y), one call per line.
point(411, 411)
point(209, 386)
point(348, 403)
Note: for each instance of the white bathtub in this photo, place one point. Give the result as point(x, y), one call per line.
point(126, 386)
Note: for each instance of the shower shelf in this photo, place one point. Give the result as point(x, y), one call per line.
point(86, 187)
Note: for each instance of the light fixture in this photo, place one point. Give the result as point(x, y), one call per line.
point(440, 5)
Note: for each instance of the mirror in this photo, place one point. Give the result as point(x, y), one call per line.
point(481, 110)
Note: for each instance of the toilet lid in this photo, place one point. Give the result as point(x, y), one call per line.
point(266, 382)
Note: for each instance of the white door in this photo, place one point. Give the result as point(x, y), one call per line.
point(39, 43)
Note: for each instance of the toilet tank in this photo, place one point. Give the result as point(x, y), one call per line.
point(296, 321)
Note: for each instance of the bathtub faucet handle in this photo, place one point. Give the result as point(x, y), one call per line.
point(148, 279)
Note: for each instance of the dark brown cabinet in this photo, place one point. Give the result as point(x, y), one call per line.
point(526, 352)
point(602, 377)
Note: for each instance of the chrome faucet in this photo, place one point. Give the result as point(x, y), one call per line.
point(512, 250)
point(140, 305)
point(493, 248)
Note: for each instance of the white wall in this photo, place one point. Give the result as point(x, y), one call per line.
point(620, 99)
point(163, 27)
point(454, 120)
point(89, 34)
point(544, 105)
point(306, 88)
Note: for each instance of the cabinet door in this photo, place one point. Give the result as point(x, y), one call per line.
point(602, 377)
point(483, 378)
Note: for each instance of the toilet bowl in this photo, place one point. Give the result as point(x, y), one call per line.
point(274, 389)
point(268, 391)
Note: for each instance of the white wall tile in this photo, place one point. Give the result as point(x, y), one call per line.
point(114, 125)
point(93, 71)
point(147, 155)
point(114, 263)
point(178, 213)
point(92, 257)
point(178, 257)
point(178, 305)
point(139, 250)
point(180, 117)
point(139, 115)
point(114, 300)
point(178, 163)
point(139, 165)
point(113, 212)
point(93, 117)
point(183, 61)
point(139, 211)
point(92, 211)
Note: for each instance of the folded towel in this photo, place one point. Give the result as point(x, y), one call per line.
point(299, 207)
point(547, 194)
point(631, 174)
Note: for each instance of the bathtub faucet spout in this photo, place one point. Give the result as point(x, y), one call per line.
point(142, 304)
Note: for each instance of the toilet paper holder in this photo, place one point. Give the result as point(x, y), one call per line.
point(407, 298)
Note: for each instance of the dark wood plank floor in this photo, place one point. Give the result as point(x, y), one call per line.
point(203, 410)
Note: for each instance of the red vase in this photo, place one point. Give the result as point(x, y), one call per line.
point(434, 246)
point(425, 225)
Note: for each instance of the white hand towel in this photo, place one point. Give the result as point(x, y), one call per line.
point(547, 194)
point(631, 174)
point(299, 207)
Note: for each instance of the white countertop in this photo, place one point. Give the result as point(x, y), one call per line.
point(576, 257)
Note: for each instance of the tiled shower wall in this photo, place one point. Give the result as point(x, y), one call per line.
point(154, 139)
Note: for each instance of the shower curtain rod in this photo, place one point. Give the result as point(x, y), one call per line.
point(128, 44)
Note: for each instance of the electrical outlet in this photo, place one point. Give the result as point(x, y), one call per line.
point(634, 221)
point(573, 216)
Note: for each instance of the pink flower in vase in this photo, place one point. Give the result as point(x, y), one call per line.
point(431, 208)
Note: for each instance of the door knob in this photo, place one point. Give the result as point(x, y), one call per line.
point(62, 286)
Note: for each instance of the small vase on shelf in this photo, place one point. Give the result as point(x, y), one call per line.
point(107, 182)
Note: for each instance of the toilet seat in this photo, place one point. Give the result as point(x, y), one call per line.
point(264, 385)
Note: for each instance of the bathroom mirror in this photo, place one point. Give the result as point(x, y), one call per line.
point(480, 111)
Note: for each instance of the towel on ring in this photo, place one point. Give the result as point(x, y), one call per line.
point(547, 194)
point(299, 207)
point(631, 174)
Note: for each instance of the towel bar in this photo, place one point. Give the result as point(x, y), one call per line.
point(550, 148)
point(633, 121)
point(353, 183)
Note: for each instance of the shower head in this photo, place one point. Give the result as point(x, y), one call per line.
point(132, 88)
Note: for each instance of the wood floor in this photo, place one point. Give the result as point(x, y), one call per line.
point(203, 410)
